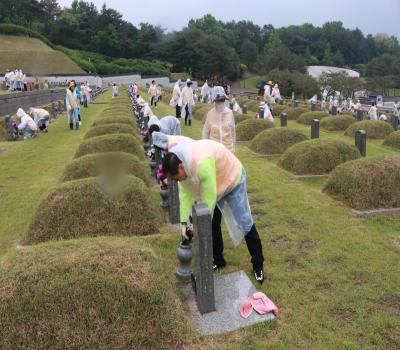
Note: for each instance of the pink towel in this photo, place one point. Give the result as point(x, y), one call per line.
point(259, 302)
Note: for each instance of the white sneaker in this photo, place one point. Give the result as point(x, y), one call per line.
point(80, 123)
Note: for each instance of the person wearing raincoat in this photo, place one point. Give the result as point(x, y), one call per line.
point(166, 142)
point(205, 92)
point(220, 122)
point(41, 118)
point(27, 125)
point(188, 101)
point(208, 172)
point(168, 125)
point(176, 100)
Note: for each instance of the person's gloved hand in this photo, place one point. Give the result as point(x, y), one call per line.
point(187, 231)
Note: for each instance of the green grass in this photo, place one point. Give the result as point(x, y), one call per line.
point(334, 277)
point(34, 57)
point(251, 82)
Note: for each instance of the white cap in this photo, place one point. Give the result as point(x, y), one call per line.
point(219, 93)
point(188, 81)
point(20, 112)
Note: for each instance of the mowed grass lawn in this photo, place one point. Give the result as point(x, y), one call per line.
point(335, 278)
point(29, 170)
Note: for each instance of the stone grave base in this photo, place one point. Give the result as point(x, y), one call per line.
point(230, 291)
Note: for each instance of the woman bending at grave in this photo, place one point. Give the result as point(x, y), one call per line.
point(208, 172)
point(168, 125)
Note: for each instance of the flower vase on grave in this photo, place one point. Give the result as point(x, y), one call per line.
point(185, 255)
point(164, 193)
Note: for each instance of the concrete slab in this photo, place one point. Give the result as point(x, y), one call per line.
point(230, 291)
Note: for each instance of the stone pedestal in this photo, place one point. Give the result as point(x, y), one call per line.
point(360, 115)
point(361, 142)
point(173, 203)
point(244, 109)
point(334, 110)
point(184, 270)
point(313, 107)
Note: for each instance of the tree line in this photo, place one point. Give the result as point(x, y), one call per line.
point(207, 47)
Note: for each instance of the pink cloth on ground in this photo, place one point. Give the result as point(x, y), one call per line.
point(259, 302)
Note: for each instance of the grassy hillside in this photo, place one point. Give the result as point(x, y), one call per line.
point(34, 57)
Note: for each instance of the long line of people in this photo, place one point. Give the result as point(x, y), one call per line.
point(15, 80)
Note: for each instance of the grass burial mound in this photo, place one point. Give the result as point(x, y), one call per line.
point(317, 157)
point(201, 113)
point(239, 117)
point(306, 117)
point(376, 129)
point(364, 184)
point(111, 143)
point(247, 129)
point(96, 207)
point(393, 140)
point(276, 141)
point(278, 109)
point(96, 164)
point(294, 112)
point(116, 119)
point(113, 128)
point(90, 294)
point(337, 122)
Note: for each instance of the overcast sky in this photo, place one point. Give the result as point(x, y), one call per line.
point(370, 16)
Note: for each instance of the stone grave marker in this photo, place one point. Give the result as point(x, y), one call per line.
point(334, 110)
point(395, 122)
point(315, 129)
point(360, 115)
point(173, 199)
point(313, 107)
point(361, 142)
point(283, 120)
point(203, 275)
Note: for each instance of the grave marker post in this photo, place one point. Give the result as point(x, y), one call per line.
point(360, 115)
point(203, 277)
point(334, 110)
point(283, 120)
point(361, 142)
point(173, 201)
point(395, 122)
point(315, 129)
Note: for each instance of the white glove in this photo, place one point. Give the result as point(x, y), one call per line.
point(183, 228)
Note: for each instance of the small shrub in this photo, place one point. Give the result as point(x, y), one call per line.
point(111, 129)
point(368, 183)
point(376, 129)
point(86, 207)
point(93, 165)
point(252, 105)
point(294, 112)
point(276, 141)
point(106, 119)
point(306, 117)
point(111, 143)
point(100, 293)
point(393, 140)
point(247, 129)
point(317, 157)
point(337, 122)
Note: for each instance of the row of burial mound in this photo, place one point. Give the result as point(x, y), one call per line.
point(77, 290)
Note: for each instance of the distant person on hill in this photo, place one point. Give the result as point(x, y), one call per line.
point(115, 90)
point(27, 125)
point(208, 172)
point(7, 77)
point(176, 101)
point(396, 108)
point(220, 122)
point(372, 113)
point(235, 107)
point(276, 93)
point(153, 93)
point(41, 118)
point(159, 93)
point(168, 125)
point(70, 101)
point(205, 92)
point(78, 95)
point(188, 101)
point(267, 113)
point(383, 117)
point(267, 94)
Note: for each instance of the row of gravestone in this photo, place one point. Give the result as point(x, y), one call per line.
point(202, 277)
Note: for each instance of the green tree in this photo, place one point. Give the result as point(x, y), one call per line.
point(248, 53)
